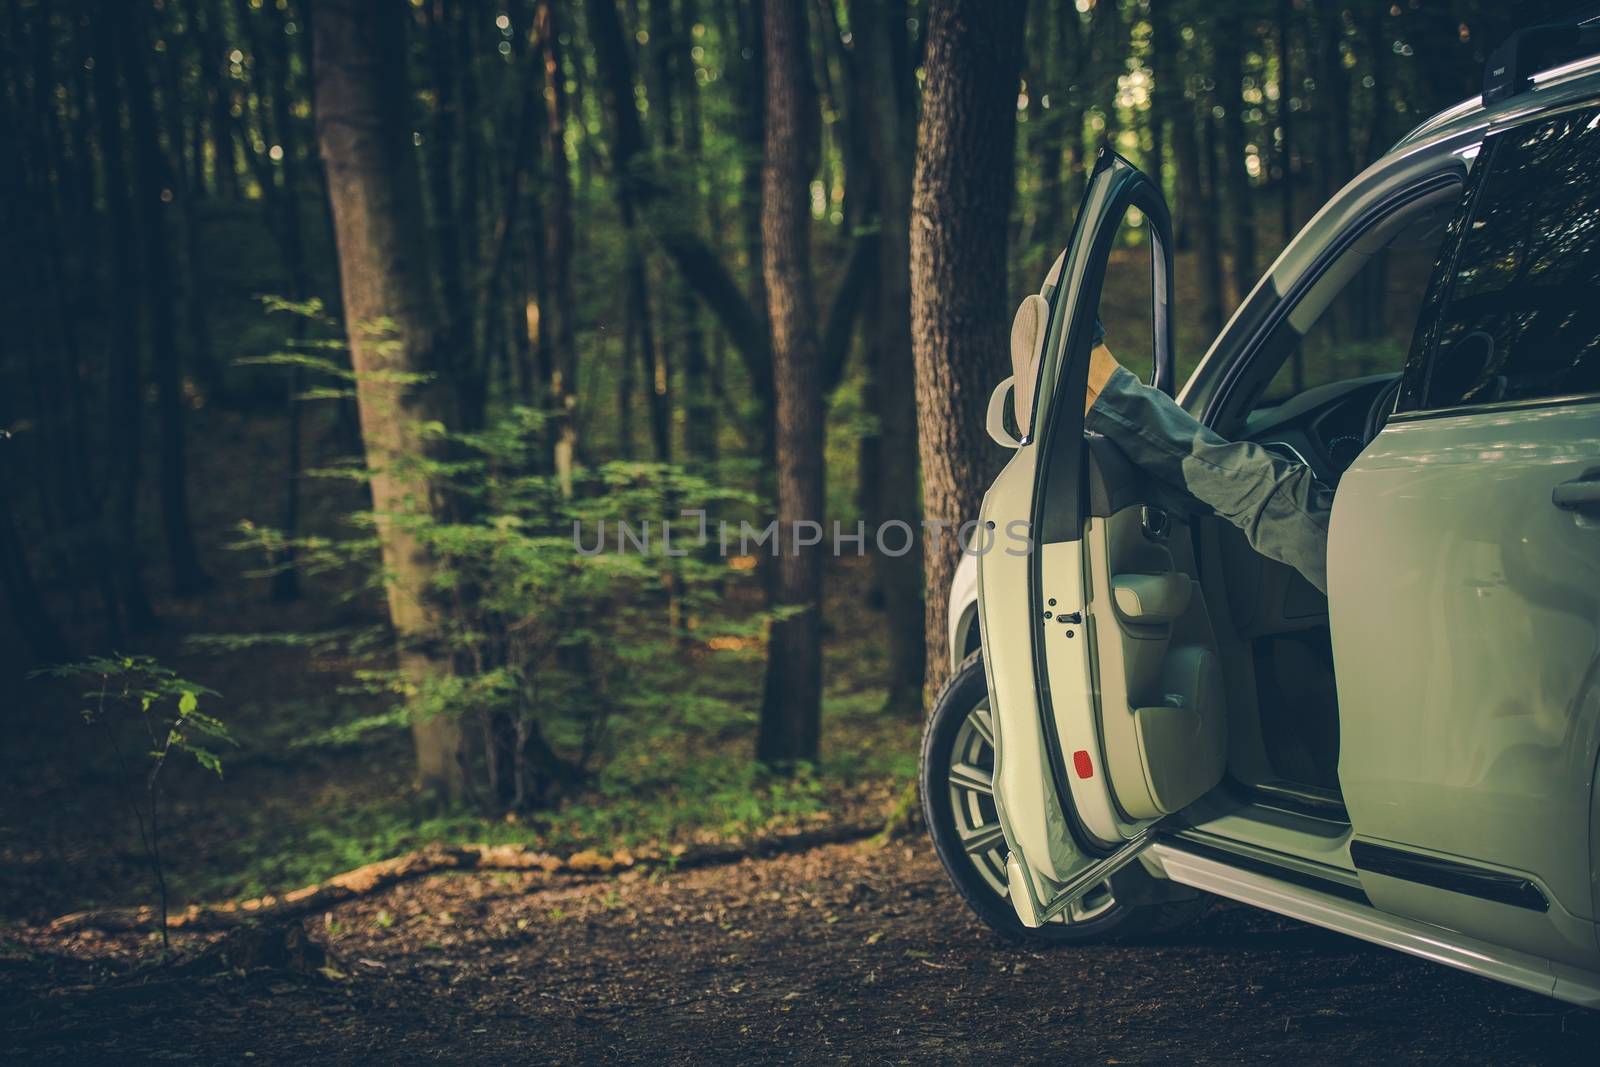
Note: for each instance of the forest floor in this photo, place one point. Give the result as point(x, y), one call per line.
point(847, 953)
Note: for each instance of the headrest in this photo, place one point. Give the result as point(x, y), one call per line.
point(1027, 341)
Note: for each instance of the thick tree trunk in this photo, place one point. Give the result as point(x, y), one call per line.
point(960, 205)
point(879, 30)
point(365, 136)
point(792, 709)
point(150, 179)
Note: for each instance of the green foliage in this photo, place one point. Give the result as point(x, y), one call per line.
point(167, 707)
point(545, 652)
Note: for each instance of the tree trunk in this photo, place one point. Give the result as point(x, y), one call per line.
point(33, 620)
point(1297, 358)
point(557, 320)
point(615, 67)
point(1235, 177)
point(280, 187)
point(700, 406)
point(286, 582)
point(122, 329)
point(1211, 275)
point(792, 709)
point(960, 204)
point(203, 363)
point(1170, 101)
point(450, 238)
point(1333, 101)
point(1109, 40)
point(152, 193)
point(891, 126)
point(750, 74)
point(46, 196)
point(214, 77)
point(364, 132)
point(1285, 118)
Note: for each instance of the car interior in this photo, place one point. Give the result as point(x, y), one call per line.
point(1272, 624)
point(1203, 628)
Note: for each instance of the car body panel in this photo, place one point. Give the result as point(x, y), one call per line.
point(1030, 812)
point(1487, 958)
point(1470, 721)
point(962, 617)
point(1555, 952)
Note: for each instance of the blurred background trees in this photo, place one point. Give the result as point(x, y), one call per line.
point(773, 246)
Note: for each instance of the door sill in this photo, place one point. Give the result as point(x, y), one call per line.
point(1221, 875)
point(1314, 802)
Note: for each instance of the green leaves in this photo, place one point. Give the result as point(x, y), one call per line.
point(564, 652)
point(169, 705)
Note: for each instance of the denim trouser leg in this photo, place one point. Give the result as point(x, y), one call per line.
point(1281, 507)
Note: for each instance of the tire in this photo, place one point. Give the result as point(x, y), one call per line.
point(957, 757)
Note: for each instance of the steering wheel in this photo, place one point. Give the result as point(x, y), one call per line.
point(1382, 407)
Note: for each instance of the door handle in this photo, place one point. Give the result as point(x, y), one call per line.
point(1580, 494)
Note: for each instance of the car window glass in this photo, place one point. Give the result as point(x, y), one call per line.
point(1367, 328)
point(1521, 318)
point(1127, 299)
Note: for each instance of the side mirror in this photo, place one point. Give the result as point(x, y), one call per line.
point(996, 421)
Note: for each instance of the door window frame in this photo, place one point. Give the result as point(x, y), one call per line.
point(1223, 407)
point(1063, 372)
point(1424, 354)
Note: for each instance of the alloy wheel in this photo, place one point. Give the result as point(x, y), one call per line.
point(971, 783)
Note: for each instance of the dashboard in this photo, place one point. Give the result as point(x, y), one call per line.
point(1324, 427)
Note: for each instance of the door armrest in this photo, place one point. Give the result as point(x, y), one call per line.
point(1151, 599)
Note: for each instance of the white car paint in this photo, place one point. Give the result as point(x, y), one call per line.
point(1445, 502)
point(1470, 721)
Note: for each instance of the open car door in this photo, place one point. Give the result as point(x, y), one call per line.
point(1102, 668)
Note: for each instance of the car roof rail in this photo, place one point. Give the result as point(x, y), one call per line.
point(1511, 67)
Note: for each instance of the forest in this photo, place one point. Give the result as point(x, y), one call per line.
point(336, 326)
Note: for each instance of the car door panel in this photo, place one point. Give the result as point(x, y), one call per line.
point(1466, 624)
point(1031, 813)
point(1161, 705)
point(1465, 591)
point(1107, 712)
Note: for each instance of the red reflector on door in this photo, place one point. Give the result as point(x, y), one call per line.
point(1081, 764)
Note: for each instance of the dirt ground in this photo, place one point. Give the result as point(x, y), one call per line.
point(849, 953)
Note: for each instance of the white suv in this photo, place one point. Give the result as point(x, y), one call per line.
point(1155, 709)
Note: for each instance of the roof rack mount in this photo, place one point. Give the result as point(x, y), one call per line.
point(1510, 69)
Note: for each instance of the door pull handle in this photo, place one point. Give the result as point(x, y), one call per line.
point(1580, 494)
